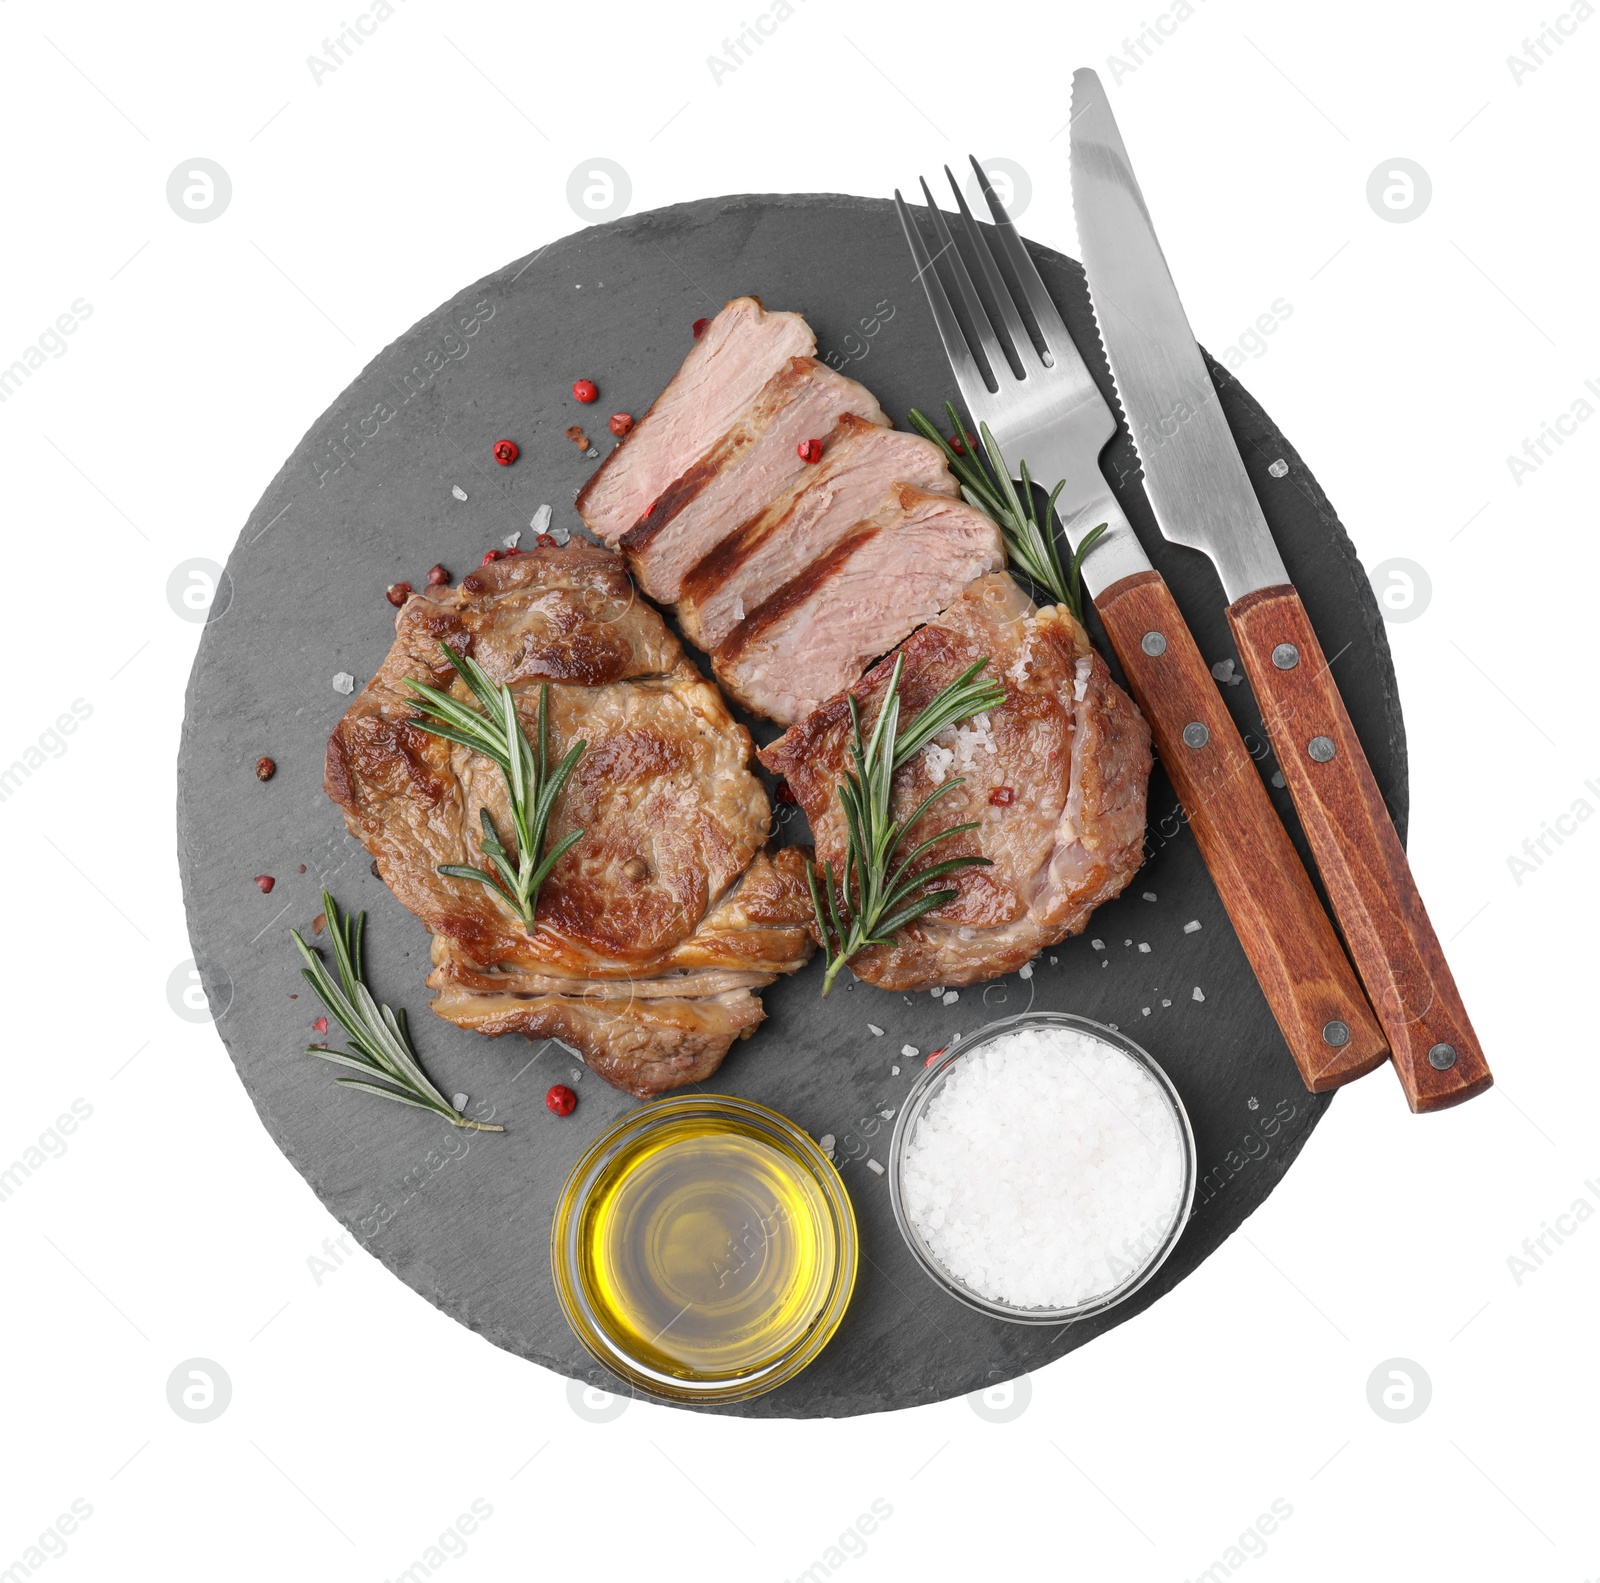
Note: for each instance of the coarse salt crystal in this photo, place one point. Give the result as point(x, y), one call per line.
point(874, 1030)
point(510, 540)
point(1166, 1003)
point(344, 682)
point(825, 1141)
point(888, 1115)
point(1145, 1010)
point(910, 1051)
point(937, 992)
point(1052, 961)
point(1199, 994)
point(540, 521)
point(1045, 1170)
point(950, 997)
point(1149, 895)
point(1080, 678)
point(872, 1165)
point(459, 1101)
point(1144, 946)
point(1097, 945)
point(894, 1071)
point(1025, 971)
point(458, 492)
point(1191, 926)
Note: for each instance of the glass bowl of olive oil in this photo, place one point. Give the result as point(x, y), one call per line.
point(704, 1249)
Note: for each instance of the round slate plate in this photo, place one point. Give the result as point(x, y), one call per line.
point(369, 498)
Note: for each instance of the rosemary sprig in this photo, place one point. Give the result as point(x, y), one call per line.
point(531, 785)
point(381, 1038)
point(1030, 539)
point(880, 893)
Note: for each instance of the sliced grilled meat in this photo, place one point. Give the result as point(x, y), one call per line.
point(755, 461)
point(738, 352)
point(860, 465)
point(1067, 745)
point(888, 575)
point(655, 930)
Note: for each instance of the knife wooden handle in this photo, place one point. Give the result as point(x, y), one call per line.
point(1325, 1019)
point(1364, 868)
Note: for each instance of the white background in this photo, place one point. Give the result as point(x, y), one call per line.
point(1417, 357)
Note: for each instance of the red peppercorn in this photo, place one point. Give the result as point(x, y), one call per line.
point(397, 594)
point(264, 883)
point(265, 769)
point(437, 576)
point(621, 423)
point(809, 450)
point(546, 541)
point(516, 549)
point(1002, 797)
point(585, 390)
point(506, 452)
point(961, 449)
point(492, 555)
point(784, 792)
point(561, 1100)
point(699, 327)
point(320, 1025)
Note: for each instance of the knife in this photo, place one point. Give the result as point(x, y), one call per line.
point(1201, 496)
point(1057, 418)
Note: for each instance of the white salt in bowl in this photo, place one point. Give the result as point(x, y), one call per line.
point(1042, 1169)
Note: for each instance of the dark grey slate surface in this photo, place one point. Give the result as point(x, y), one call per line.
point(366, 501)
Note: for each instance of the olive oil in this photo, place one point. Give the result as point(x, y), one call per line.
point(707, 1252)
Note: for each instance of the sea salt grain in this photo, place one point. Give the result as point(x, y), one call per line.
point(874, 1030)
point(458, 492)
point(950, 997)
point(1046, 1169)
point(344, 682)
point(1025, 971)
point(910, 1051)
point(872, 1165)
point(1191, 926)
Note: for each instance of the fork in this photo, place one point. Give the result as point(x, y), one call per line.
point(1035, 393)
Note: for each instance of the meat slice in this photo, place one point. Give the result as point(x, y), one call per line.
point(1067, 745)
point(756, 460)
point(657, 928)
point(737, 353)
point(860, 465)
point(888, 575)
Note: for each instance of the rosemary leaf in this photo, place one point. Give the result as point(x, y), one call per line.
point(986, 484)
point(531, 786)
point(380, 1035)
point(877, 895)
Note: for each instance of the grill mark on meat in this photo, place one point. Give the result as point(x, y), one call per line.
point(794, 593)
point(738, 352)
point(861, 466)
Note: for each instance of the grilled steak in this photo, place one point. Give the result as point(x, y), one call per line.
point(887, 575)
point(1067, 744)
point(657, 928)
point(738, 352)
point(860, 465)
point(755, 461)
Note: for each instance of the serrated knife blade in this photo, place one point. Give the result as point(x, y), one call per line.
point(1193, 477)
point(1201, 496)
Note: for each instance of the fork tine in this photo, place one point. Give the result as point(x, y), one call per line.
point(994, 354)
point(969, 377)
point(1000, 293)
point(1044, 312)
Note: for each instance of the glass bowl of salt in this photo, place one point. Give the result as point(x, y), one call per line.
point(1042, 1169)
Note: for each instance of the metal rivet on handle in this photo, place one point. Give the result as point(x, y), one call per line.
point(1154, 643)
point(1286, 656)
point(1195, 735)
point(1321, 749)
point(1442, 1057)
point(1335, 1033)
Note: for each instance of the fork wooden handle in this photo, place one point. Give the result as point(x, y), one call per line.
point(1325, 1019)
point(1363, 865)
